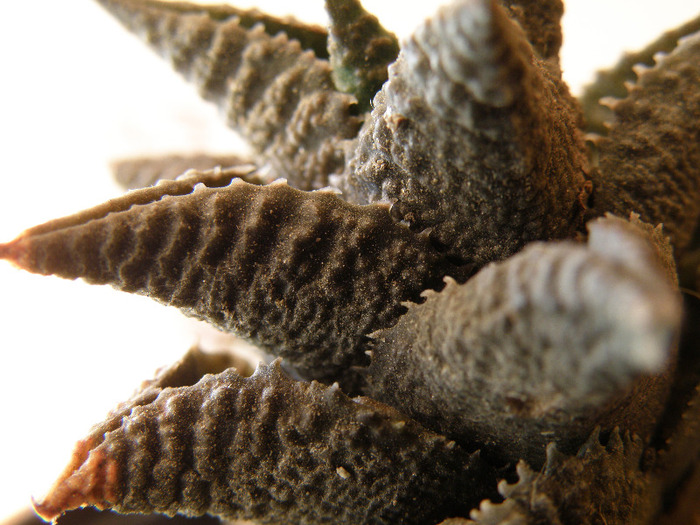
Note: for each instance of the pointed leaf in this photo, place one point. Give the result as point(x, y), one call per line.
point(612, 82)
point(280, 97)
point(305, 275)
point(309, 36)
point(473, 138)
point(650, 161)
point(360, 50)
point(542, 347)
point(272, 449)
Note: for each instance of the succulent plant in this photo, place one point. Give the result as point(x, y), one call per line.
point(481, 293)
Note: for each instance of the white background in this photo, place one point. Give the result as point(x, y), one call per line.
point(76, 92)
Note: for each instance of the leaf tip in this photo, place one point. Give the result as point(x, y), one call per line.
point(13, 251)
point(90, 479)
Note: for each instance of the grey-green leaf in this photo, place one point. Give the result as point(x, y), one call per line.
point(360, 50)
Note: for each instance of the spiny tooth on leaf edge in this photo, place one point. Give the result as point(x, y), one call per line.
point(303, 274)
point(633, 242)
point(93, 479)
point(312, 37)
point(139, 172)
point(541, 347)
point(182, 185)
point(261, 448)
point(650, 160)
point(187, 371)
point(470, 114)
point(571, 488)
point(611, 82)
point(280, 97)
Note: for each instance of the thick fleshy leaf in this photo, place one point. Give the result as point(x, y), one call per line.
point(650, 160)
point(689, 270)
point(689, 264)
point(271, 449)
point(685, 508)
point(281, 97)
point(305, 275)
point(360, 50)
point(185, 372)
point(624, 482)
point(473, 138)
point(542, 347)
point(613, 82)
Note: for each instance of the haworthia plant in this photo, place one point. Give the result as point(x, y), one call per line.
point(503, 299)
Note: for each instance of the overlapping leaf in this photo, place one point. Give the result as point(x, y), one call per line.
point(270, 449)
point(303, 274)
point(473, 138)
point(279, 95)
point(541, 348)
point(473, 150)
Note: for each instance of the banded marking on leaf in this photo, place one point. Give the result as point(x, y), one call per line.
point(278, 95)
point(305, 275)
point(269, 448)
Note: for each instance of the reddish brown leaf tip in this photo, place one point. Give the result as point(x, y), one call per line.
point(90, 479)
point(12, 251)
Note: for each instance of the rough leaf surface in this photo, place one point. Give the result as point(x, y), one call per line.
point(541, 21)
point(472, 138)
point(472, 151)
point(360, 50)
point(295, 272)
point(542, 347)
point(598, 485)
point(245, 448)
point(280, 96)
point(650, 160)
point(613, 82)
